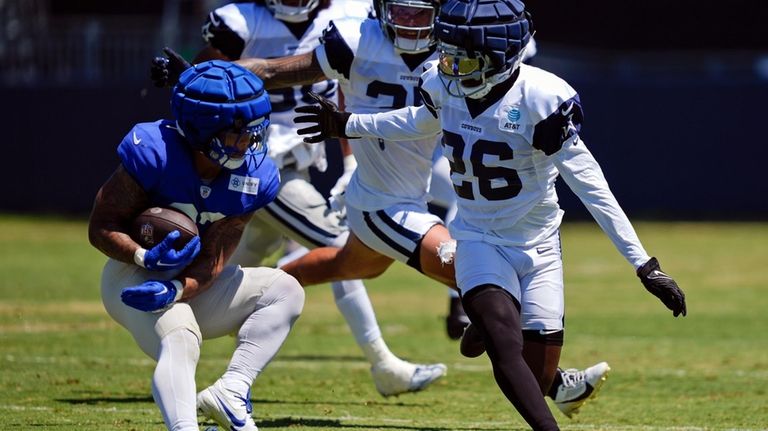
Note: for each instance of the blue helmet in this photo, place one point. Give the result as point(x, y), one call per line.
point(215, 96)
point(480, 41)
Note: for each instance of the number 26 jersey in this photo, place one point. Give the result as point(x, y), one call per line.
point(499, 149)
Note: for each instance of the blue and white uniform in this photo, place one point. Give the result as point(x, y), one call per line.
point(506, 151)
point(156, 156)
point(386, 196)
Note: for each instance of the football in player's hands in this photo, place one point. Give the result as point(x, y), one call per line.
point(152, 226)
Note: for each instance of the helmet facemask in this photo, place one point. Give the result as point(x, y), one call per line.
point(231, 147)
point(481, 44)
point(222, 111)
point(292, 10)
point(409, 24)
point(471, 73)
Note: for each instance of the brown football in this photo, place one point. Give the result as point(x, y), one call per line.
point(151, 226)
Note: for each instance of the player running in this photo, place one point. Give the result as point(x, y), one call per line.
point(508, 130)
point(211, 164)
point(378, 65)
point(282, 28)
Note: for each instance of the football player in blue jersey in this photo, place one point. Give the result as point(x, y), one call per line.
point(509, 130)
point(209, 163)
point(378, 64)
point(278, 28)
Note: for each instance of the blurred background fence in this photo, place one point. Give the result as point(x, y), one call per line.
point(675, 97)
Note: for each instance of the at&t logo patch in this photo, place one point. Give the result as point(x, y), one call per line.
point(511, 122)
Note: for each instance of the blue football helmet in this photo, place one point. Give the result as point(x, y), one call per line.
point(409, 24)
point(481, 43)
point(215, 97)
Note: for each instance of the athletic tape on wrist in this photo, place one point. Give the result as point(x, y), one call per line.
point(138, 257)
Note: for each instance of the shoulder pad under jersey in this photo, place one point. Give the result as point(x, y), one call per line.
point(339, 44)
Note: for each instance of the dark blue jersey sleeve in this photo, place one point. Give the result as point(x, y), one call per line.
point(339, 54)
point(218, 34)
point(551, 132)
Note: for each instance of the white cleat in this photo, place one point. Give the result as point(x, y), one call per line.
point(399, 377)
point(228, 409)
point(580, 386)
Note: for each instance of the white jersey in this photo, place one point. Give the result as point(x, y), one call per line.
point(373, 78)
point(246, 30)
point(505, 154)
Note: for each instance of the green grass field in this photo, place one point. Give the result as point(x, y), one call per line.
point(65, 365)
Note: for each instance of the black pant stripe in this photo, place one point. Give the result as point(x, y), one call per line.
point(298, 224)
point(382, 236)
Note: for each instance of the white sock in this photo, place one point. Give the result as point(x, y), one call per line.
point(263, 333)
point(377, 352)
point(354, 304)
point(173, 383)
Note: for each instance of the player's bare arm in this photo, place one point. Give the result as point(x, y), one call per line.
point(278, 72)
point(286, 71)
point(210, 53)
point(117, 202)
point(218, 243)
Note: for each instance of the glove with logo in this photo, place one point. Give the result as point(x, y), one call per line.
point(163, 257)
point(165, 71)
point(662, 286)
point(328, 120)
point(153, 296)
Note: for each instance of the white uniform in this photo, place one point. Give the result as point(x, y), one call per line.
point(505, 155)
point(386, 196)
point(299, 210)
point(259, 34)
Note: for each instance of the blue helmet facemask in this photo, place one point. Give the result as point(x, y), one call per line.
point(232, 157)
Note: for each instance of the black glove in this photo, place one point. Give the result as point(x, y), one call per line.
point(165, 71)
point(662, 286)
point(328, 121)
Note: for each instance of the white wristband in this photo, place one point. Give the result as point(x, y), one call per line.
point(138, 257)
point(179, 289)
point(350, 163)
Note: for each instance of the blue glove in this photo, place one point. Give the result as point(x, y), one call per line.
point(163, 257)
point(152, 295)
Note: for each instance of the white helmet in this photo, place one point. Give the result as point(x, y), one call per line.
point(409, 24)
point(292, 10)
